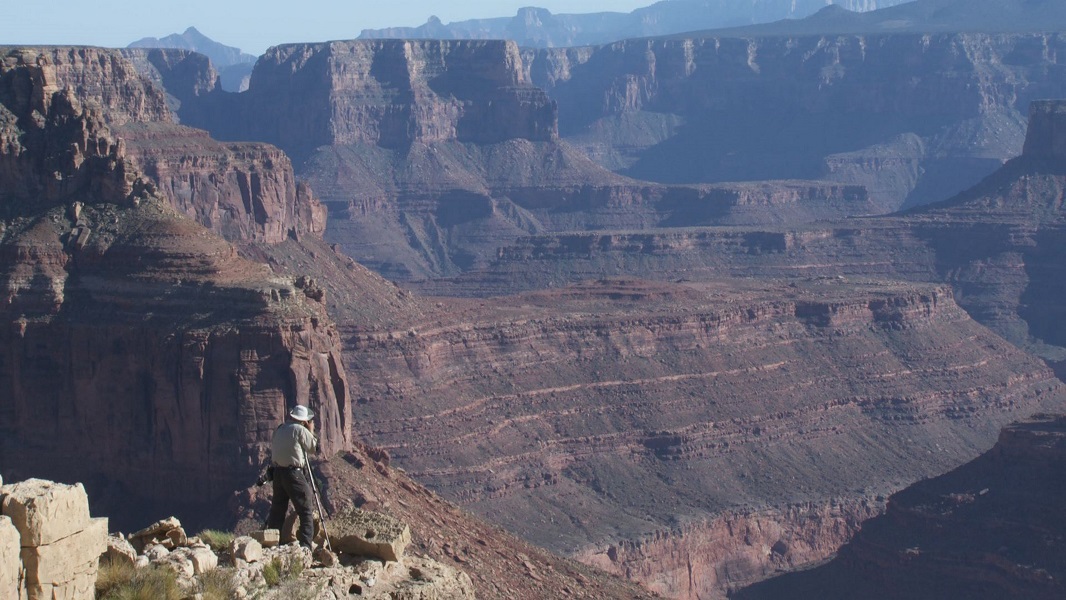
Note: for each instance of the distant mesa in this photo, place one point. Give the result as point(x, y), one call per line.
point(234, 66)
point(535, 27)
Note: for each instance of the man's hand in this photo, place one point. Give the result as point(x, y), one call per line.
point(310, 425)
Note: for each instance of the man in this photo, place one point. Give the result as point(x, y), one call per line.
point(289, 451)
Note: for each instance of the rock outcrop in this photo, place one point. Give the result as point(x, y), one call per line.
point(990, 529)
point(60, 543)
point(274, 571)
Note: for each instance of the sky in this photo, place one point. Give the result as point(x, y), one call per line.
point(255, 26)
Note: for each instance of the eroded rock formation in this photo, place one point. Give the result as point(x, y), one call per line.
point(916, 118)
point(990, 529)
point(432, 154)
point(996, 244)
point(653, 417)
point(241, 191)
point(134, 334)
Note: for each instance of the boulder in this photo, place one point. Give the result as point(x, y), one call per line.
point(119, 550)
point(179, 562)
point(166, 532)
point(203, 559)
point(62, 562)
point(428, 579)
point(267, 538)
point(365, 533)
point(10, 562)
point(156, 552)
point(247, 549)
point(45, 512)
point(81, 586)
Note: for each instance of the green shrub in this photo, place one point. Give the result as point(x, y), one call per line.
point(272, 572)
point(277, 571)
point(124, 582)
point(217, 540)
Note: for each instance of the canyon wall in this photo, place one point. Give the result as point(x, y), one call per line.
point(989, 529)
point(996, 244)
point(135, 335)
point(241, 191)
point(916, 118)
point(432, 154)
point(539, 28)
point(668, 431)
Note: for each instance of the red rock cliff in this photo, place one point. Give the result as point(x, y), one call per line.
point(136, 337)
point(241, 191)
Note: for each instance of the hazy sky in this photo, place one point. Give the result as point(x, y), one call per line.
point(253, 26)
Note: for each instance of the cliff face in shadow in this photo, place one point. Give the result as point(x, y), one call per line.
point(245, 191)
point(992, 528)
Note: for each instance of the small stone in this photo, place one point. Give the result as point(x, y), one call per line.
point(326, 558)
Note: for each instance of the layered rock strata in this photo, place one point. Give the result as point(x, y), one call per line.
point(240, 191)
point(995, 244)
point(136, 335)
point(990, 529)
point(432, 154)
point(651, 418)
point(539, 28)
point(915, 118)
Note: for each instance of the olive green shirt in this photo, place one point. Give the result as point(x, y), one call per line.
point(291, 444)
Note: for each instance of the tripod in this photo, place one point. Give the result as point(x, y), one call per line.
point(318, 504)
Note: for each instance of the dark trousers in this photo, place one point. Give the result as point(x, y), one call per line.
point(292, 484)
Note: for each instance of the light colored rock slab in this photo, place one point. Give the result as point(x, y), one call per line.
point(247, 549)
point(10, 561)
point(365, 533)
point(54, 563)
point(45, 511)
point(203, 560)
point(267, 538)
point(81, 586)
point(119, 551)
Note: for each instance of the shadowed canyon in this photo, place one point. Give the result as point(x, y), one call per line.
point(691, 312)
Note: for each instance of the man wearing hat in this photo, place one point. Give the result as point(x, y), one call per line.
point(289, 450)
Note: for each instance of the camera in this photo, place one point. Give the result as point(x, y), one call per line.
point(266, 477)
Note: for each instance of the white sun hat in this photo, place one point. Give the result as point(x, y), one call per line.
point(302, 413)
